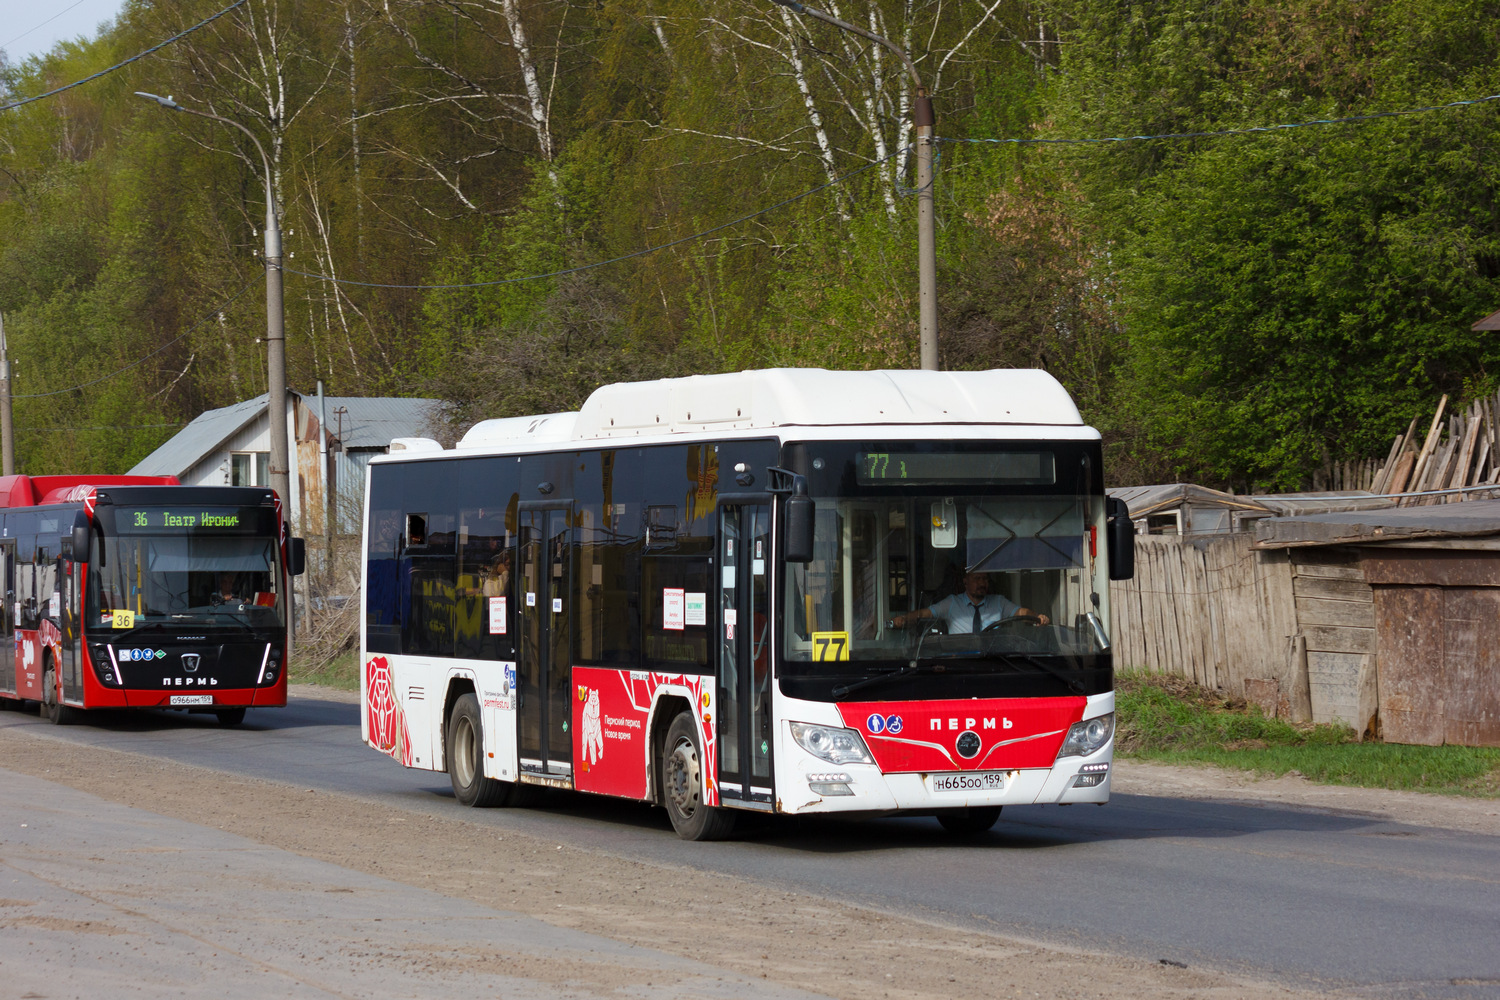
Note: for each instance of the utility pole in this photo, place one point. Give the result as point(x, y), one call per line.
point(7, 426)
point(923, 121)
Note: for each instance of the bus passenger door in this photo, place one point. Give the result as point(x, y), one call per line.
point(8, 649)
point(68, 615)
point(744, 675)
point(544, 671)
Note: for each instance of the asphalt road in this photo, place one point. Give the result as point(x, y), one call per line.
point(1318, 901)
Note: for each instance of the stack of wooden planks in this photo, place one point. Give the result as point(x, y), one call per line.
point(1464, 453)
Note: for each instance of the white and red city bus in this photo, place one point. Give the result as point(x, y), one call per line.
point(726, 593)
point(138, 592)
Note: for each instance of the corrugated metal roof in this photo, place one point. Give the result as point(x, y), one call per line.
point(1472, 518)
point(1294, 504)
point(202, 435)
point(1143, 500)
point(369, 422)
point(373, 420)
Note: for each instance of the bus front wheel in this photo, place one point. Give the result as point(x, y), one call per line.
point(969, 822)
point(466, 758)
point(230, 716)
point(53, 710)
point(682, 786)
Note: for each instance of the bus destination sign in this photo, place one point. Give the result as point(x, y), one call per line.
point(210, 520)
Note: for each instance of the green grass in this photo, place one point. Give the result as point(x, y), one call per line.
point(1168, 719)
point(341, 672)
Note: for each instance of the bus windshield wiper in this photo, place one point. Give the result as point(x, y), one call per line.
point(911, 668)
point(1036, 661)
point(116, 637)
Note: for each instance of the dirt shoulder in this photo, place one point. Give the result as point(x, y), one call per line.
point(797, 939)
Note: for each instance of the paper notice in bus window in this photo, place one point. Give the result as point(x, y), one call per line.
point(672, 610)
point(497, 616)
point(122, 619)
point(697, 609)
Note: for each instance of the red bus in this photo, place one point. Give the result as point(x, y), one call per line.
point(792, 591)
point(138, 592)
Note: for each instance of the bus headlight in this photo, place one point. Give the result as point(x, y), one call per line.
point(1087, 736)
point(104, 666)
point(837, 746)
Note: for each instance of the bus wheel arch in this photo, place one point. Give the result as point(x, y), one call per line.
point(458, 686)
point(666, 710)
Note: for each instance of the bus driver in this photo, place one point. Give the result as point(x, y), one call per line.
point(975, 610)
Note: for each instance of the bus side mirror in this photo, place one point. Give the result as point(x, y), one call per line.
point(1120, 535)
point(800, 521)
point(297, 556)
point(80, 539)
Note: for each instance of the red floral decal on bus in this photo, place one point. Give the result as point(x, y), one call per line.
point(387, 723)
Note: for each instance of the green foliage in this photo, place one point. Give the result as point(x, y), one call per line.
point(1167, 719)
point(1235, 310)
point(1295, 296)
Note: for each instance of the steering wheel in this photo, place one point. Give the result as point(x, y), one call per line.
point(1032, 620)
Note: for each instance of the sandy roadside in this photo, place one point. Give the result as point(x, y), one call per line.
point(797, 939)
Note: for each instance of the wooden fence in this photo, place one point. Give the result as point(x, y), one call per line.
point(1210, 609)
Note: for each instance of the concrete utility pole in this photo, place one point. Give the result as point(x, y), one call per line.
point(923, 120)
point(7, 426)
point(275, 328)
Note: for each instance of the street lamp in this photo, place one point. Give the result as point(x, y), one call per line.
point(923, 120)
point(275, 327)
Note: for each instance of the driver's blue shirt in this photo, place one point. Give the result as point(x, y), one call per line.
point(957, 611)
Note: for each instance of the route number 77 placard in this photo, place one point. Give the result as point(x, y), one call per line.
point(828, 646)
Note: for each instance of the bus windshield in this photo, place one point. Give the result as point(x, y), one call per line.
point(220, 567)
point(990, 583)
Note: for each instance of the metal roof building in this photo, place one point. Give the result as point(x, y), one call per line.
point(332, 439)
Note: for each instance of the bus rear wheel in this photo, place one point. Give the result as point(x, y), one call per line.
point(53, 710)
point(466, 758)
point(682, 786)
point(969, 822)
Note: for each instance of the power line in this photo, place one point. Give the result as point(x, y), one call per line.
point(54, 17)
point(127, 62)
point(615, 260)
point(145, 357)
point(107, 427)
point(1232, 131)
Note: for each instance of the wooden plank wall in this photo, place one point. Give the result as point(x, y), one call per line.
point(1336, 613)
point(1206, 608)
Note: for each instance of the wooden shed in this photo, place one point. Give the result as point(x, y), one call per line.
point(1387, 620)
point(1431, 627)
